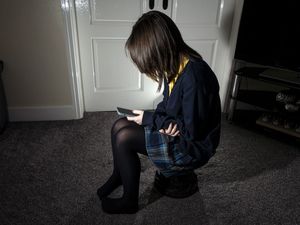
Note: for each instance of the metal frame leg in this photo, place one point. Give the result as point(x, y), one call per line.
point(233, 97)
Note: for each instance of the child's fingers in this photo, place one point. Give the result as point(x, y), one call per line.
point(135, 111)
point(176, 133)
point(168, 131)
point(174, 129)
point(130, 118)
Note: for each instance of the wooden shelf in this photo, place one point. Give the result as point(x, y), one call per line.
point(288, 131)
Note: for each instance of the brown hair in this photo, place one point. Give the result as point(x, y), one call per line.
point(156, 46)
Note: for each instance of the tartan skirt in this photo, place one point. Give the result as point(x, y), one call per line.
point(165, 154)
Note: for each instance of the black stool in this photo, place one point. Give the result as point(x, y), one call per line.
point(180, 186)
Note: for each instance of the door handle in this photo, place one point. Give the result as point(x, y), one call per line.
point(151, 4)
point(165, 4)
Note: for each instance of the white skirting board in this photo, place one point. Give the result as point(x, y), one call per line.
point(41, 113)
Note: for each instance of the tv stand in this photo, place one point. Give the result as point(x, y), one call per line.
point(264, 99)
point(285, 76)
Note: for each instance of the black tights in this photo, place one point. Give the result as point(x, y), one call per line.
point(127, 139)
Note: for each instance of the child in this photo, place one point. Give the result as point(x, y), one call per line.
point(183, 132)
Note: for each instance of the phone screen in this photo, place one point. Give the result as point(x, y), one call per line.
point(125, 112)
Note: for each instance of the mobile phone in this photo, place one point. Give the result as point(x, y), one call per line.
point(125, 112)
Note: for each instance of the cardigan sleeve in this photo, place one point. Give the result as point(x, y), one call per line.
point(159, 118)
point(152, 118)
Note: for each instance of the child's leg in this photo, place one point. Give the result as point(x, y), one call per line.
point(114, 180)
point(127, 142)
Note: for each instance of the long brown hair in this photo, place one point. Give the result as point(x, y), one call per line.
point(156, 46)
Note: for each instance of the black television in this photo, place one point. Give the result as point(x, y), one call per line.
point(269, 34)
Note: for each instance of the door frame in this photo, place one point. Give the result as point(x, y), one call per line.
point(69, 13)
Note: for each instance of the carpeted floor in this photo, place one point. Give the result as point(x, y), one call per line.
point(50, 171)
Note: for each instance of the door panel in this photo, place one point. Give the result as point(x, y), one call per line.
point(206, 48)
point(197, 12)
point(115, 10)
point(105, 63)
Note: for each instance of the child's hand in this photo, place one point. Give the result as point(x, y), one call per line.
point(172, 130)
point(138, 119)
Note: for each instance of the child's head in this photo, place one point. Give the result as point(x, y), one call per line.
point(156, 46)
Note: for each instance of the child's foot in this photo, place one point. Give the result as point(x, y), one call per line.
point(111, 184)
point(119, 206)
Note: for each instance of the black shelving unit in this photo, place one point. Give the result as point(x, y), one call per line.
point(265, 100)
point(262, 99)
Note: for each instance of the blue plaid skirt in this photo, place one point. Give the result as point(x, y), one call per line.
point(165, 154)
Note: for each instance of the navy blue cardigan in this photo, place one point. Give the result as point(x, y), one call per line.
point(194, 105)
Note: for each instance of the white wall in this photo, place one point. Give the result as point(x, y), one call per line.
point(34, 50)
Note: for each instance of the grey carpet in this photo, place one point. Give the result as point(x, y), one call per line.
point(50, 171)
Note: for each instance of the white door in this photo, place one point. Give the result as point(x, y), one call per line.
point(109, 77)
point(206, 26)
